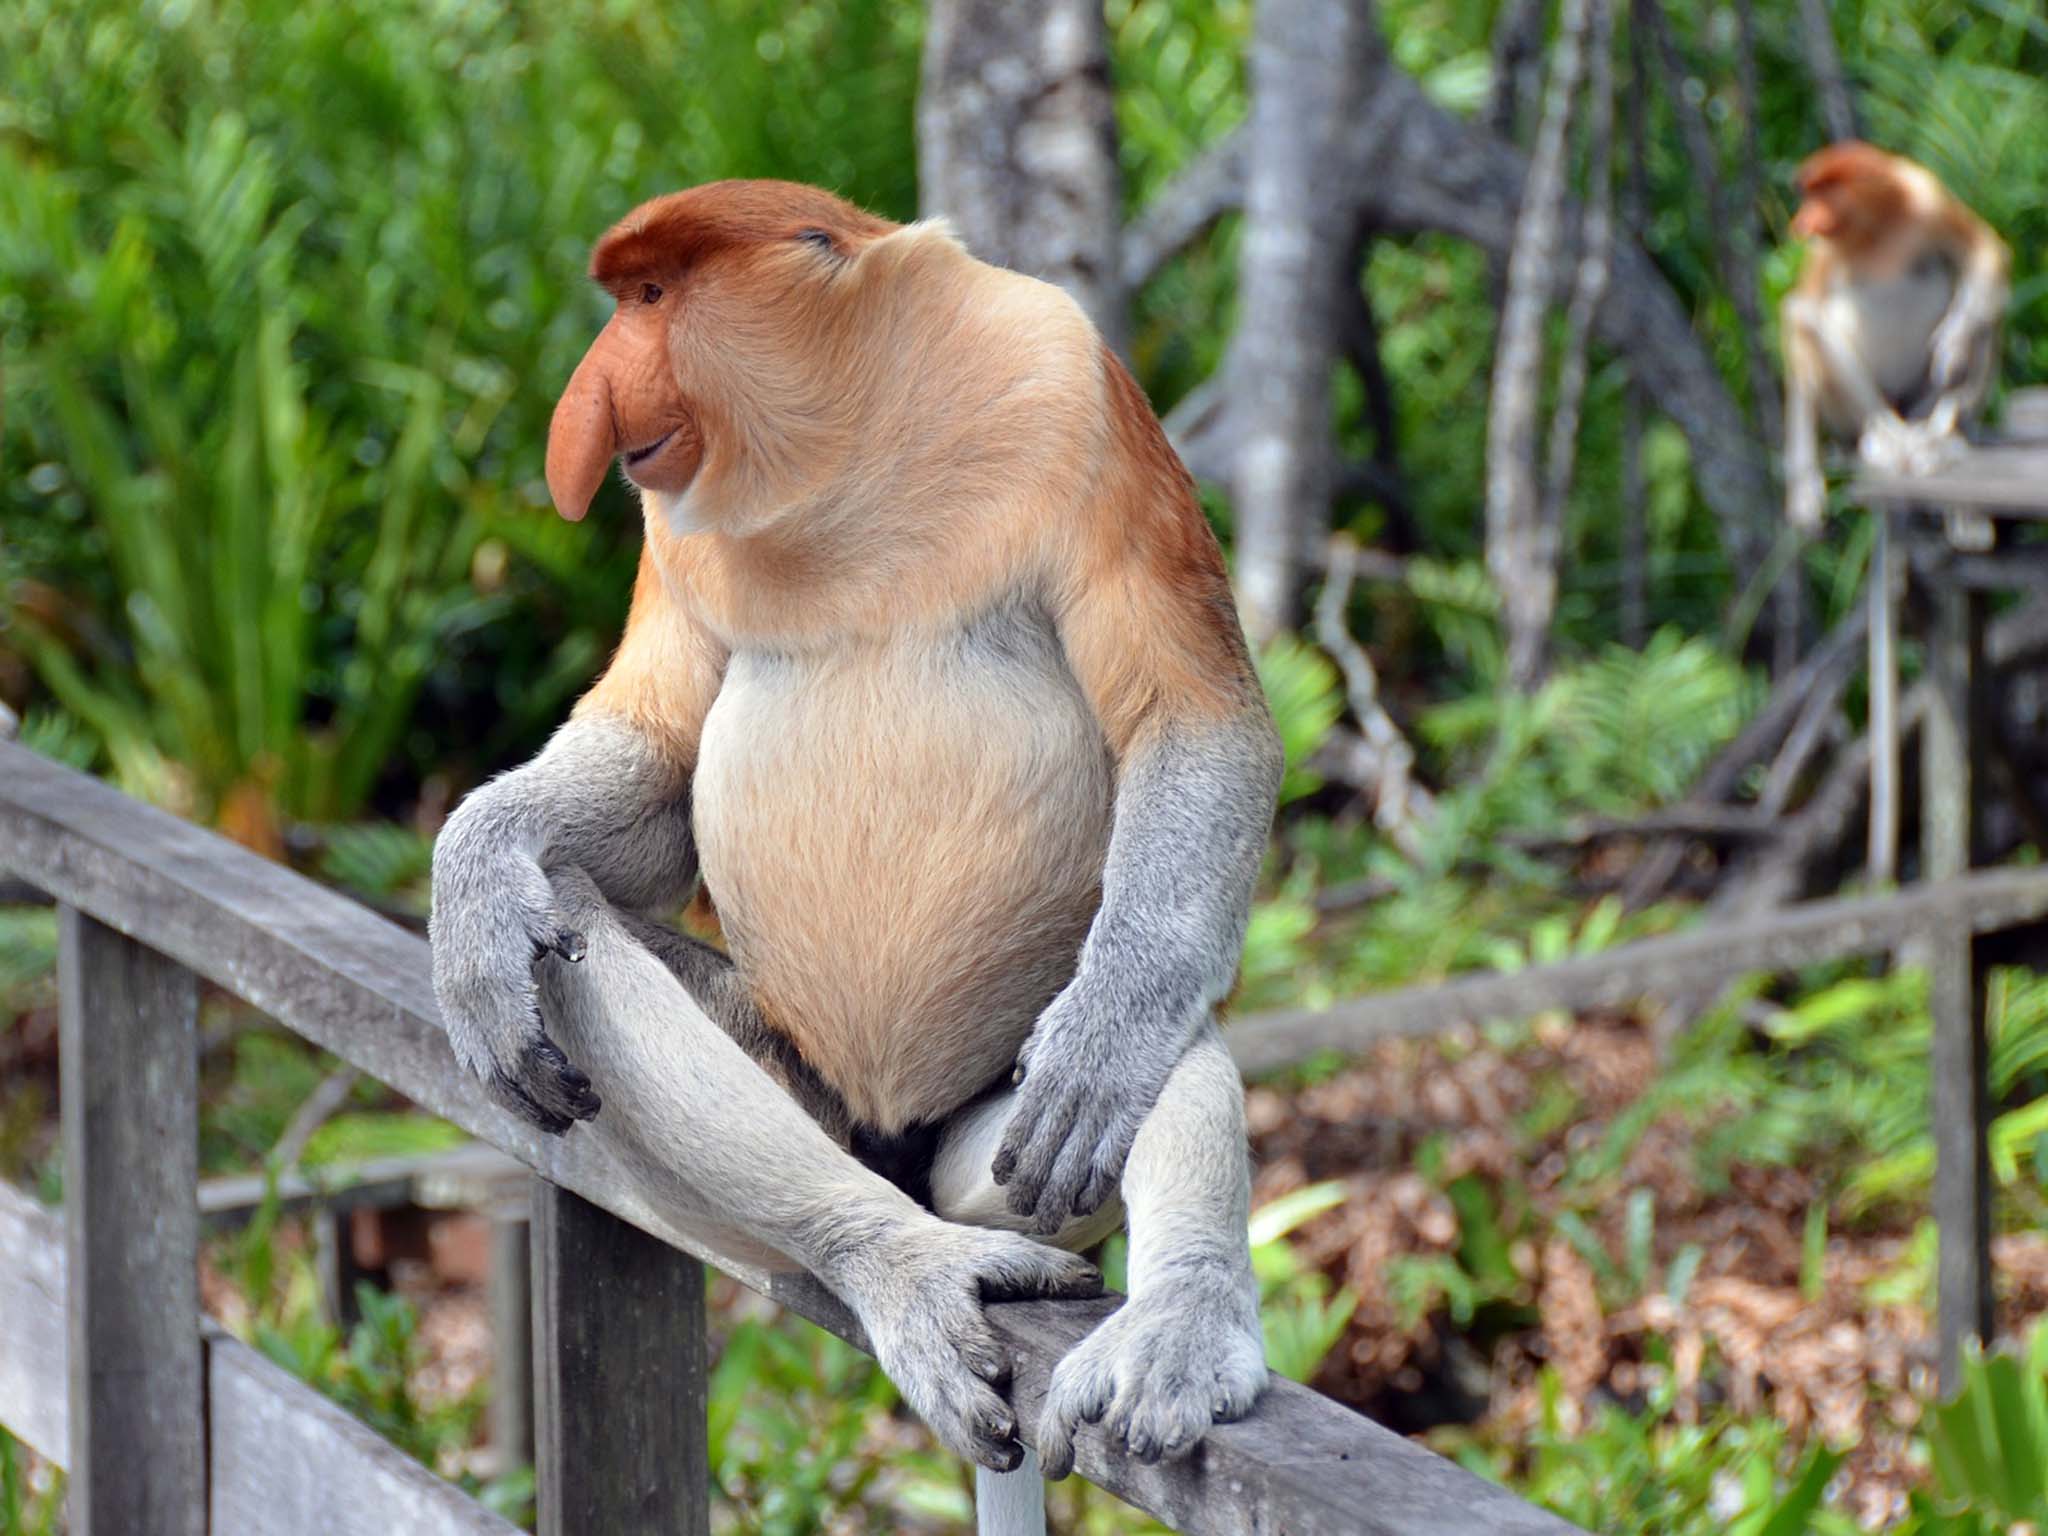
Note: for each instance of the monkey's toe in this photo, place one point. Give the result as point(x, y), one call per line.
point(1158, 1373)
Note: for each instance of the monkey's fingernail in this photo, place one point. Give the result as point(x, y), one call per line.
point(1017, 1076)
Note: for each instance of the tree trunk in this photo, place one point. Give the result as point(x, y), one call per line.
point(1831, 85)
point(1307, 59)
point(1016, 131)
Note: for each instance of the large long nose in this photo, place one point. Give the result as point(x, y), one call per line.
point(583, 437)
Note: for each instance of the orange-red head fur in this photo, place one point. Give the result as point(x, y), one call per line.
point(1852, 194)
point(673, 265)
point(879, 433)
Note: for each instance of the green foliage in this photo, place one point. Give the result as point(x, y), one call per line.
point(1307, 699)
point(283, 289)
point(1645, 1474)
point(1620, 733)
point(1990, 1446)
point(26, 1510)
point(380, 862)
point(1302, 1317)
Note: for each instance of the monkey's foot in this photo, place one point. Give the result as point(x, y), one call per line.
point(1897, 447)
point(920, 1300)
point(1184, 1353)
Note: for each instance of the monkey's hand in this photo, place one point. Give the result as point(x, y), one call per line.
point(1090, 1073)
point(494, 915)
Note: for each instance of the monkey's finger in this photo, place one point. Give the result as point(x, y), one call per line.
point(994, 1428)
point(1036, 1160)
point(988, 1360)
point(1017, 1135)
point(564, 942)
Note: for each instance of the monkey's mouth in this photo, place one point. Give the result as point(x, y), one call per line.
point(642, 455)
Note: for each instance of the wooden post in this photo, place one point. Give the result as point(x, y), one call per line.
point(1882, 592)
point(128, 1033)
point(1951, 772)
point(511, 1339)
point(619, 1362)
point(334, 1256)
point(1010, 1503)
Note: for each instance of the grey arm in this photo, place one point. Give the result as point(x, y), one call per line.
point(600, 797)
point(1194, 807)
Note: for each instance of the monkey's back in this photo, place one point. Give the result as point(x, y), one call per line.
point(905, 837)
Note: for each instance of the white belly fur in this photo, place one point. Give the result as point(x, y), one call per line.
point(905, 839)
point(1890, 323)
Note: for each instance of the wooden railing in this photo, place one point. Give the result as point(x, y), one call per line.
point(167, 1425)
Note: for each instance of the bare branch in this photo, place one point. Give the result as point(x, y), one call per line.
point(1185, 209)
point(1382, 762)
point(1431, 170)
point(1731, 228)
point(1521, 547)
point(318, 1107)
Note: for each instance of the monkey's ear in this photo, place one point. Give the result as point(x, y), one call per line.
point(583, 436)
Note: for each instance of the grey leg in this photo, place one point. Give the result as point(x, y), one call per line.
point(722, 1149)
point(1186, 1349)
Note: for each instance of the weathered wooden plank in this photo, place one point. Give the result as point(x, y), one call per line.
point(1952, 777)
point(1781, 940)
point(328, 969)
point(620, 1364)
point(2001, 570)
point(359, 986)
point(470, 1175)
point(282, 1458)
point(1293, 1466)
point(2006, 479)
point(35, 1389)
point(128, 1032)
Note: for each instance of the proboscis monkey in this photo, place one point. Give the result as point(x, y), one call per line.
point(933, 671)
point(1891, 335)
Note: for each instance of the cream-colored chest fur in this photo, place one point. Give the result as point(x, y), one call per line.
point(904, 836)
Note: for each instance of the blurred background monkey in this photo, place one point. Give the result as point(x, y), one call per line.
point(933, 666)
point(1891, 334)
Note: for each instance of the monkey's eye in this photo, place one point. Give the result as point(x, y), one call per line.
point(816, 238)
point(650, 293)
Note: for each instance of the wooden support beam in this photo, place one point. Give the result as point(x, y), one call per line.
point(511, 1285)
point(1882, 593)
point(282, 1460)
point(620, 1367)
point(1708, 956)
point(129, 1043)
point(1953, 778)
